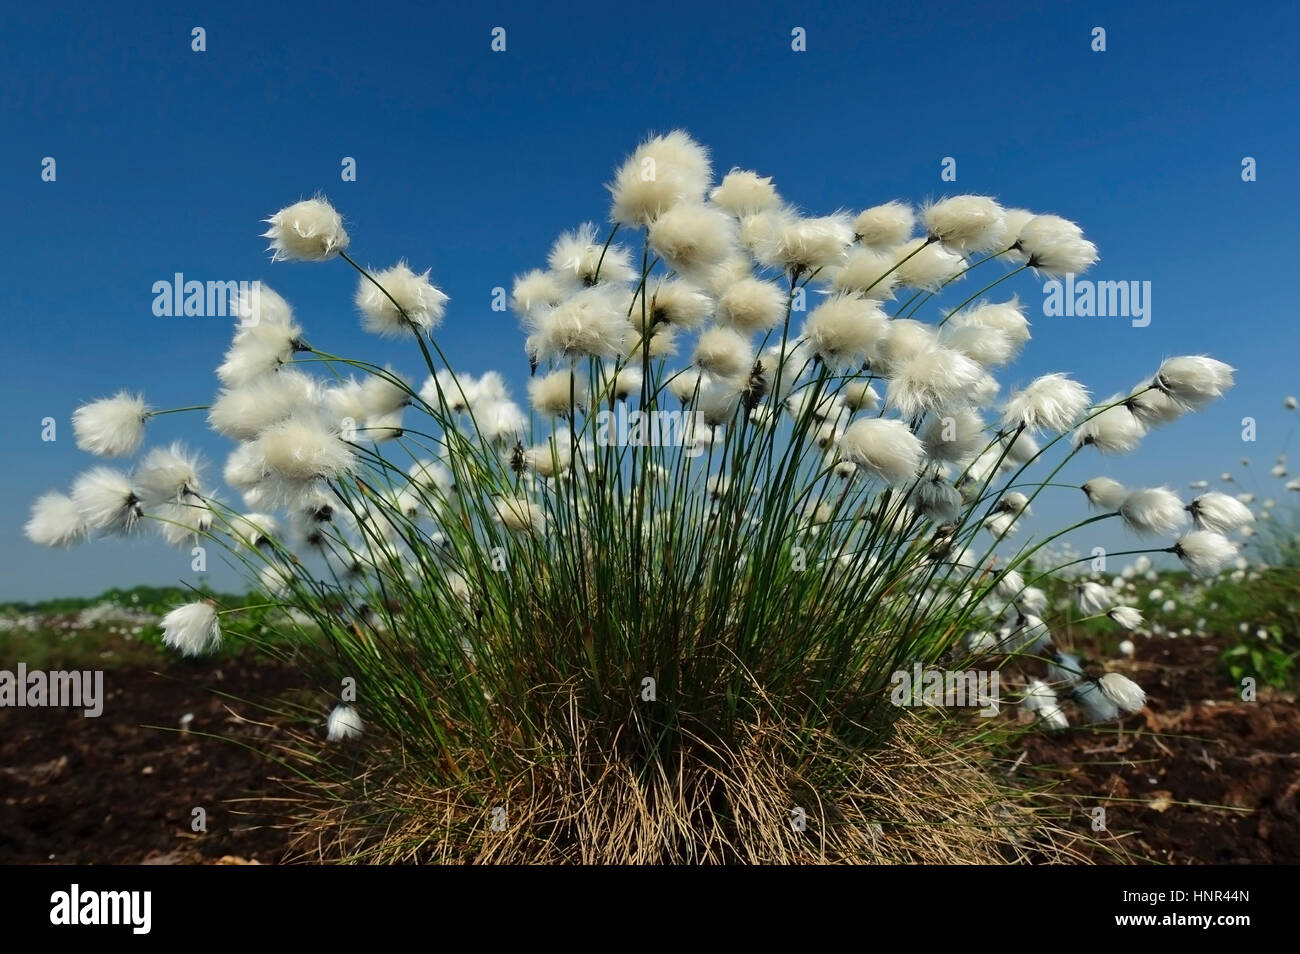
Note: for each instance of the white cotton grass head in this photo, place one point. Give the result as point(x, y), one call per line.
point(1194, 380)
point(1154, 510)
point(1055, 246)
point(925, 266)
point(1040, 699)
point(1093, 599)
point(307, 231)
point(799, 244)
point(937, 499)
point(1007, 317)
point(955, 435)
point(194, 629)
point(538, 289)
point(111, 427)
point(1126, 617)
point(304, 447)
point(519, 515)
point(501, 421)
point(868, 272)
point(342, 724)
point(884, 226)
point(723, 352)
point(1105, 493)
point(842, 329)
point(55, 521)
point(244, 412)
point(1052, 402)
point(385, 392)
point(987, 347)
point(258, 304)
point(166, 474)
point(933, 380)
point(581, 259)
point(662, 172)
point(674, 303)
point(742, 192)
point(590, 323)
point(1126, 694)
point(1219, 512)
point(1014, 221)
point(626, 383)
point(402, 303)
point(1095, 704)
point(1152, 406)
point(686, 385)
point(1204, 552)
point(1113, 430)
point(884, 447)
point(859, 395)
point(966, 223)
point(904, 339)
point(557, 393)
point(692, 238)
point(257, 351)
point(751, 305)
point(106, 500)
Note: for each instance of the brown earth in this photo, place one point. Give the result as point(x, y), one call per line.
point(1199, 777)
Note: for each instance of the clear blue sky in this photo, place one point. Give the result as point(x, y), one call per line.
point(470, 162)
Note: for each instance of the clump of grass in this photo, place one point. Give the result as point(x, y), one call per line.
point(653, 618)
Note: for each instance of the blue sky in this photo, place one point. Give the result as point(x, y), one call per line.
point(469, 162)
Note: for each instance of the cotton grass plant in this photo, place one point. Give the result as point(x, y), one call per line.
point(668, 638)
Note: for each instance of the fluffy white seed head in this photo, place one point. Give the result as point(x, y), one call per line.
point(935, 379)
point(806, 244)
point(55, 521)
point(343, 723)
point(1116, 430)
point(693, 238)
point(1052, 402)
point(662, 172)
point(1007, 317)
point(860, 396)
point(1104, 492)
point(194, 629)
point(967, 223)
point(674, 303)
point(1096, 705)
point(106, 500)
point(1205, 552)
point(1122, 691)
point(581, 259)
point(723, 353)
point(1219, 512)
point(111, 427)
point(1093, 599)
point(885, 226)
point(167, 474)
point(1126, 617)
point(1155, 510)
point(243, 413)
point(304, 448)
point(925, 267)
point(591, 323)
point(743, 193)
point(538, 289)
point(1056, 246)
point(842, 329)
point(1153, 407)
point(868, 272)
point(1194, 380)
point(955, 435)
point(307, 231)
point(411, 304)
point(883, 446)
point(751, 305)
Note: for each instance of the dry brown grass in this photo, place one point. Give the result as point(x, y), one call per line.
point(925, 796)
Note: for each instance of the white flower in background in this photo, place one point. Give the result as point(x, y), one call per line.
point(343, 723)
point(1009, 585)
point(966, 223)
point(860, 396)
point(1065, 669)
point(885, 226)
point(537, 289)
point(1052, 402)
point(1125, 616)
point(1127, 648)
point(1056, 246)
point(1219, 512)
point(1092, 598)
point(1204, 552)
point(1194, 380)
point(1122, 691)
point(55, 521)
point(1041, 700)
point(194, 629)
point(519, 515)
point(1168, 606)
point(742, 193)
point(307, 231)
point(885, 447)
point(591, 323)
point(1096, 705)
point(1115, 430)
point(1105, 493)
point(403, 304)
point(556, 394)
point(937, 499)
point(106, 500)
point(1155, 510)
point(111, 427)
point(1289, 403)
point(504, 421)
